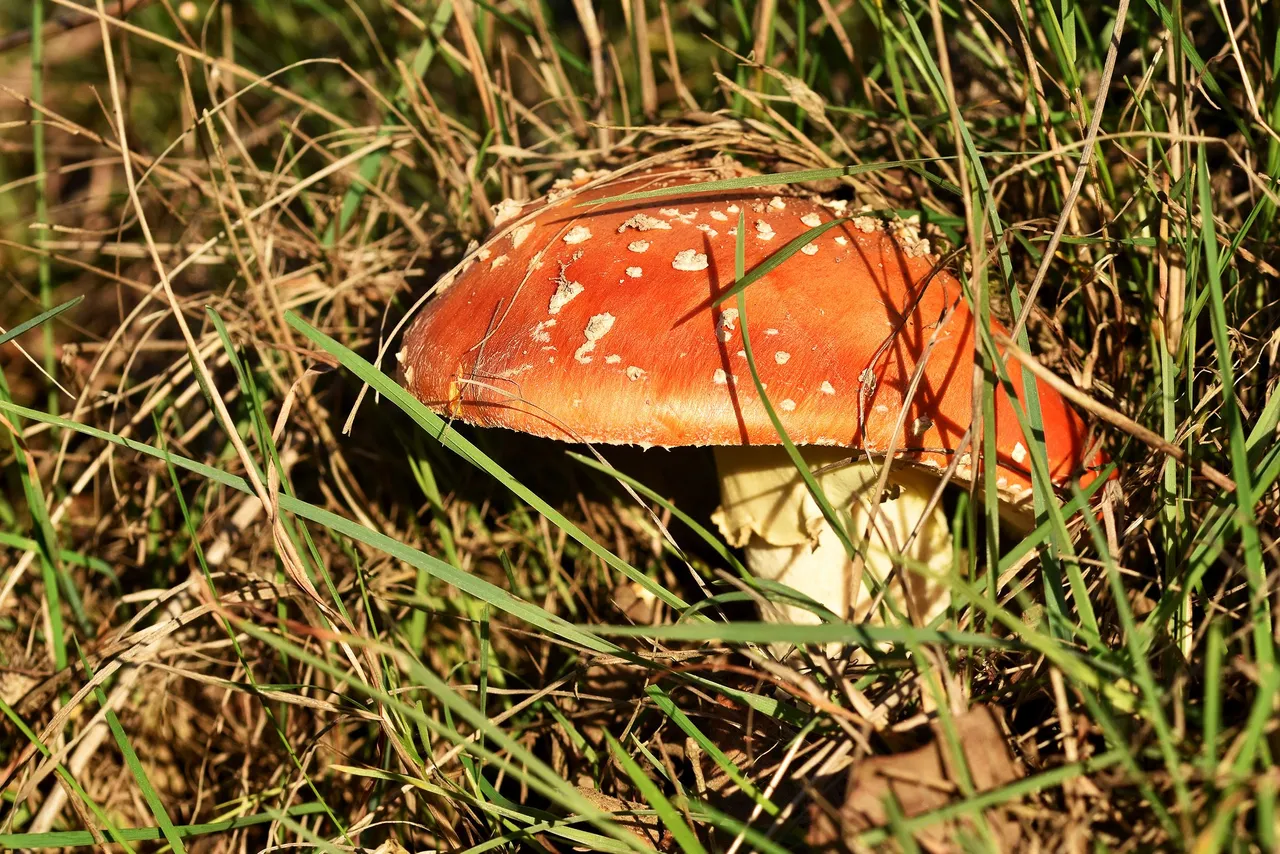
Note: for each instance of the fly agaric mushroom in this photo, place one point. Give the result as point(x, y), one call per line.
point(600, 324)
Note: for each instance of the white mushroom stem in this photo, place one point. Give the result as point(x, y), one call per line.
point(767, 510)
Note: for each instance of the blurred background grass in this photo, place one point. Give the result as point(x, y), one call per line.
point(332, 159)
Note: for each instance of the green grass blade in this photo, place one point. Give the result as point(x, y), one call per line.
point(48, 840)
point(447, 436)
point(1241, 471)
point(747, 182)
point(466, 582)
point(743, 280)
point(698, 528)
point(517, 759)
point(42, 317)
point(728, 766)
point(860, 634)
point(1152, 695)
point(738, 289)
point(135, 767)
point(669, 815)
point(83, 838)
point(995, 797)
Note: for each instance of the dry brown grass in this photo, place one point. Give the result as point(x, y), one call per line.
point(239, 179)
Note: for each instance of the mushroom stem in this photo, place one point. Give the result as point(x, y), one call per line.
point(767, 510)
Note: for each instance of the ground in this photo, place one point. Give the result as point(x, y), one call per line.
point(251, 597)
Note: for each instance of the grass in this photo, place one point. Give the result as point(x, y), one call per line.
point(253, 594)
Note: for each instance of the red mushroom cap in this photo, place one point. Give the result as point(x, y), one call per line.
point(596, 324)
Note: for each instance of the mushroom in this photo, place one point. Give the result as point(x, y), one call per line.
point(601, 323)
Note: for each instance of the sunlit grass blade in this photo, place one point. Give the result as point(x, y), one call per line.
point(514, 757)
point(742, 279)
point(39, 319)
point(738, 289)
point(859, 634)
point(466, 582)
point(252, 397)
point(96, 564)
point(1044, 781)
point(123, 836)
point(56, 582)
point(1241, 472)
point(1151, 694)
point(757, 840)
point(722, 760)
point(136, 769)
point(44, 268)
point(1211, 717)
point(747, 182)
point(307, 834)
point(447, 436)
point(698, 528)
point(51, 840)
point(279, 728)
point(529, 820)
point(674, 822)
